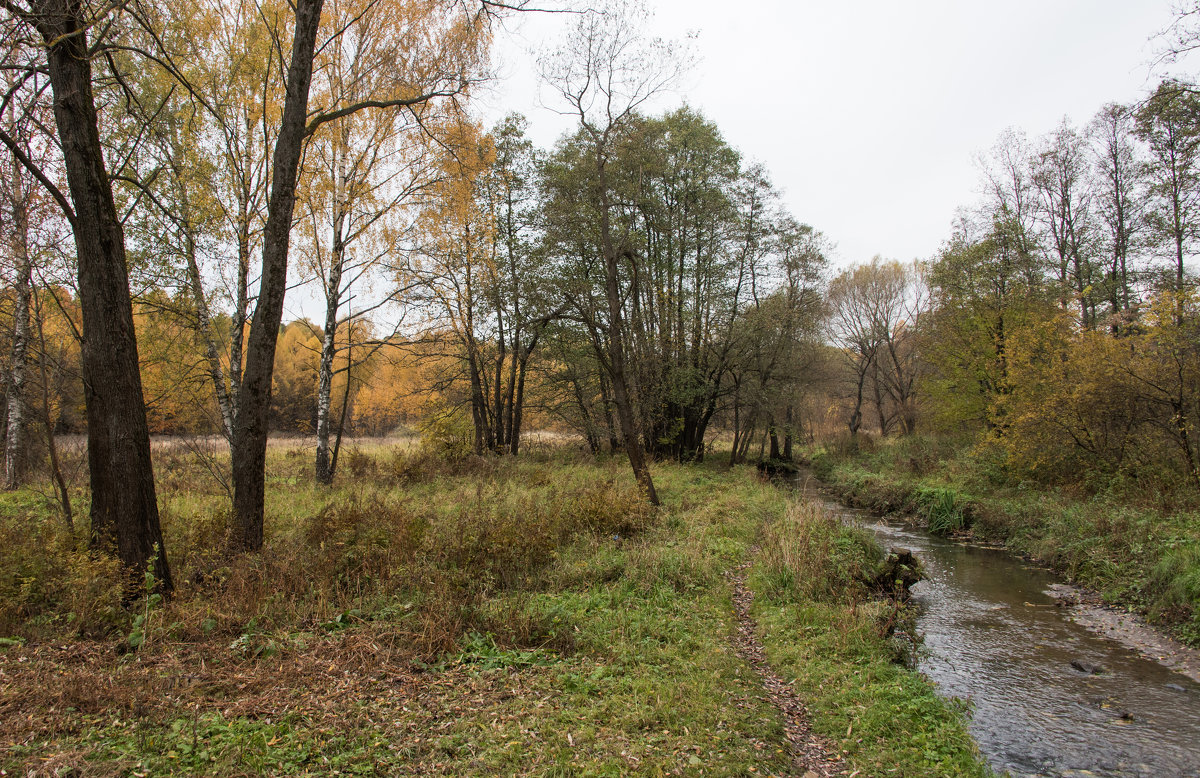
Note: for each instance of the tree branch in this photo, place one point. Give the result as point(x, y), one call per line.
point(328, 116)
point(37, 173)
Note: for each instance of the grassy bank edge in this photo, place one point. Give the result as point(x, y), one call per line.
point(1135, 554)
point(836, 643)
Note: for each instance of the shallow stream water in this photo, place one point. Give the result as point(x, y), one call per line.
point(995, 637)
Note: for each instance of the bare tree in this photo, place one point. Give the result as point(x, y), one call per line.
point(1062, 180)
point(873, 310)
point(1169, 124)
point(1119, 200)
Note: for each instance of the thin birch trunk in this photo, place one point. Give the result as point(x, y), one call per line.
point(15, 445)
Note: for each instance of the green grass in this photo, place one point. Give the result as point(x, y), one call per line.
point(832, 643)
point(526, 617)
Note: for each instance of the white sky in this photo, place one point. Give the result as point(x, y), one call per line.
point(869, 115)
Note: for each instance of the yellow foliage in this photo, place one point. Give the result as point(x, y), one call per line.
point(1088, 401)
point(175, 384)
point(1073, 406)
point(294, 383)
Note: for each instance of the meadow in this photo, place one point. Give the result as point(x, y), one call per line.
point(458, 616)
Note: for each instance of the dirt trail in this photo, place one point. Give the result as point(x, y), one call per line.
point(812, 756)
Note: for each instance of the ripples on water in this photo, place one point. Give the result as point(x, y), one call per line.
point(993, 636)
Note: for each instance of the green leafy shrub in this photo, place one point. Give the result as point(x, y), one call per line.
point(822, 465)
point(447, 433)
point(942, 509)
point(47, 583)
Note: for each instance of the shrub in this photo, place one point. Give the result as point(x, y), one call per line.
point(48, 583)
point(447, 433)
point(846, 445)
point(941, 508)
point(822, 465)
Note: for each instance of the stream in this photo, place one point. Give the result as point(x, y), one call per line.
point(994, 636)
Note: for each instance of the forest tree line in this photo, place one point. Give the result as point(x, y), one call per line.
point(1059, 322)
point(174, 173)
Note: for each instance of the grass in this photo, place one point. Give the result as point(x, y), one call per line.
point(493, 616)
point(837, 646)
point(1138, 547)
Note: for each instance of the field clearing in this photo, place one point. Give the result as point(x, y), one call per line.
point(491, 616)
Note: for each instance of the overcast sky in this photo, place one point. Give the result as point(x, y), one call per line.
point(869, 115)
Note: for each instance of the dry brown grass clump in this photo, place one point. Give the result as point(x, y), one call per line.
point(342, 604)
point(424, 553)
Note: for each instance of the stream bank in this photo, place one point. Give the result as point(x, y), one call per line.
point(1136, 549)
point(1047, 695)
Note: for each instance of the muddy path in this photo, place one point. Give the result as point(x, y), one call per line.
point(812, 756)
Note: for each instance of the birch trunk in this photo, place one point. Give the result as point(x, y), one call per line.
point(15, 445)
point(333, 303)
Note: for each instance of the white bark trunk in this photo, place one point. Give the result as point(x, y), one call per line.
point(14, 450)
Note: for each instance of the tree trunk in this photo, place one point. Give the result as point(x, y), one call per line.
point(479, 411)
point(64, 496)
point(254, 400)
point(517, 403)
point(124, 510)
point(606, 401)
point(237, 335)
point(622, 397)
point(856, 415)
point(510, 423)
point(498, 434)
point(880, 412)
point(737, 412)
point(747, 441)
point(589, 429)
point(341, 428)
point(211, 350)
point(15, 453)
point(788, 435)
point(333, 303)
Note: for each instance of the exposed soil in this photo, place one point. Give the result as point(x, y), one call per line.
point(1128, 629)
point(812, 755)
